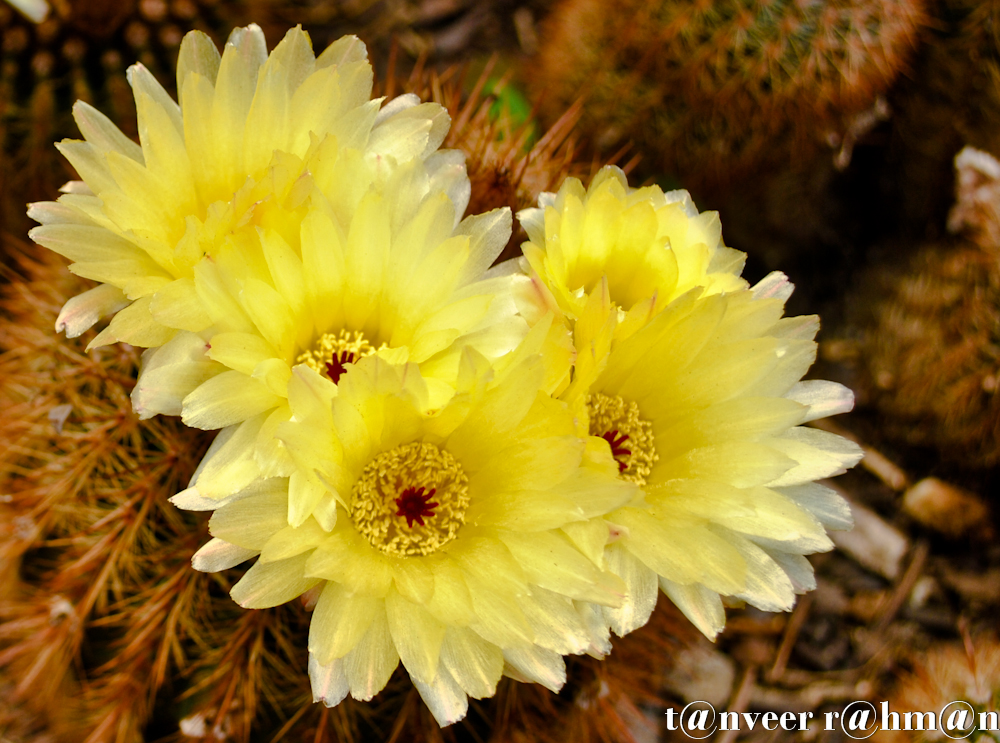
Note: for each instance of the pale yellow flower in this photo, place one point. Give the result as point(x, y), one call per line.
point(464, 541)
point(248, 124)
point(690, 382)
point(276, 217)
point(702, 408)
point(650, 246)
point(386, 268)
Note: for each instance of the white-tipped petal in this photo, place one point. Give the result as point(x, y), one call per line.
point(798, 569)
point(592, 617)
point(231, 467)
point(538, 664)
point(443, 697)
point(225, 399)
point(774, 286)
point(822, 502)
point(329, 682)
point(268, 584)
point(218, 555)
point(819, 454)
point(417, 636)
point(640, 595)
point(339, 622)
point(371, 663)
point(767, 585)
point(81, 312)
point(191, 500)
point(475, 664)
point(170, 373)
point(822, 398)
point(702, 606)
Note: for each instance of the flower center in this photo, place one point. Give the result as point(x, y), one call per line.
point(413, 505)
point(392, 504)
point(334, 351)
point(618, 451)
point(618, 423)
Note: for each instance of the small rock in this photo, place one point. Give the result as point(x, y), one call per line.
point(923, 589)
point(702, 673)
point(977, 194)
point(947, 509)
point(873, 543)
point(60, 609)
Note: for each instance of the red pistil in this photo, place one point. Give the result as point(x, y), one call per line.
point(617, 450)
point(338, 364)
point(413, 505)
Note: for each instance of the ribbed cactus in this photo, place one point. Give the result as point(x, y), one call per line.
point(931, 351)
point(712, 90)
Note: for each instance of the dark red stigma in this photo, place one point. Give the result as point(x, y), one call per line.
point(414, 506)
point(617, 450)
point(338, 364)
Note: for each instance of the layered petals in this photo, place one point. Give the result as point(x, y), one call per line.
point(402, 278)
point(689, 379)
point(248, 127)
point(424, 564)
point(646, 245)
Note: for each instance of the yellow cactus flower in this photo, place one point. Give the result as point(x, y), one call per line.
point(650, 246)
point(277, 216)
point(386, 268)
point(702, 408)
point(689, 380)
point(248, 126)
point(465, 540)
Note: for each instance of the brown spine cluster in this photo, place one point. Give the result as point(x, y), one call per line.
point(967, 671)
point(80, 52)
point(509, 161)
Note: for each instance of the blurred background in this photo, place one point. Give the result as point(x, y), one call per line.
point(848, 143)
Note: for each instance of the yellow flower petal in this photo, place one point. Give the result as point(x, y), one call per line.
point(253, 519)
point(339, 621)
point(370, 664)
point(417, 636)
point(272, 583)
point(225, 399)
point(475, 664)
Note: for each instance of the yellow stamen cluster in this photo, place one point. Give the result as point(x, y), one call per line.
point(385, 478)
point(614, 414)
point(331, 345)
